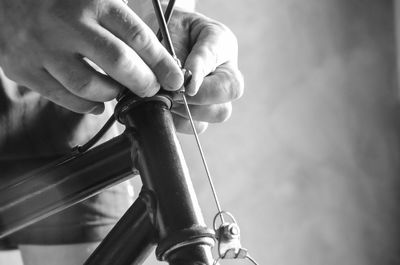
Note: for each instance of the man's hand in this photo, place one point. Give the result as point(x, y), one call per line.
point(43, 45)
point(209, 50)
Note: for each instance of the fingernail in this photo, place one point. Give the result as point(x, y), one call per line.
point(174, 80)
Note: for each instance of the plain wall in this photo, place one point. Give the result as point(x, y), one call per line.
point(308, 163)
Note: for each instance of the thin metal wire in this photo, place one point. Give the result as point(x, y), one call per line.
point(167, 16)
point(247, 256)
point(251, 259)
point(196, 136)
point(216, 261)
point(168, 43)
point(163, 27)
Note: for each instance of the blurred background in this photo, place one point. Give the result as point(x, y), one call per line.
point(309, 161)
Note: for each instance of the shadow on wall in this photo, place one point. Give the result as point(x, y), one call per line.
point(308, 163)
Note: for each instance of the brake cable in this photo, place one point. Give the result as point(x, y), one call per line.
point(227, 233)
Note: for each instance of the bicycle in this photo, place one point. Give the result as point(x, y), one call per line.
point(166, 212)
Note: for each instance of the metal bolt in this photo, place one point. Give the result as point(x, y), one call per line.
point(234, 230)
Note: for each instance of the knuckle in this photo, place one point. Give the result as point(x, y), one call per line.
point(81, 85)
point(230, 35)
point(225, 32)
point(239, 85)
point(224, 112)
point(227, 38)
point(210, 52)
point(235, 86)
point(118, 59)
point(138, 38)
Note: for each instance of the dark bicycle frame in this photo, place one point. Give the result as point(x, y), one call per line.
point(166, 214)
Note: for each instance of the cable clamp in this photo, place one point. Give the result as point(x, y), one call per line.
point(228, 237)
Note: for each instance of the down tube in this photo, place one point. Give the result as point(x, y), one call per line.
point(132, 238)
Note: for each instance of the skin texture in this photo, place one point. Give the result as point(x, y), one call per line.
point(49, 49)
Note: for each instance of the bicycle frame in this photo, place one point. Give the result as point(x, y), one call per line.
point(166, 214)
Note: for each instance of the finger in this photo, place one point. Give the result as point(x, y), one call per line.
point(209, 113)
point(182, 125)
point(224, 85)
point(214, 45)
point(126, 25)
point(43, 83)
point(81, 79)
point(118, 60)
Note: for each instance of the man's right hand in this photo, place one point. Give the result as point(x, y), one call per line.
point(43, 44)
